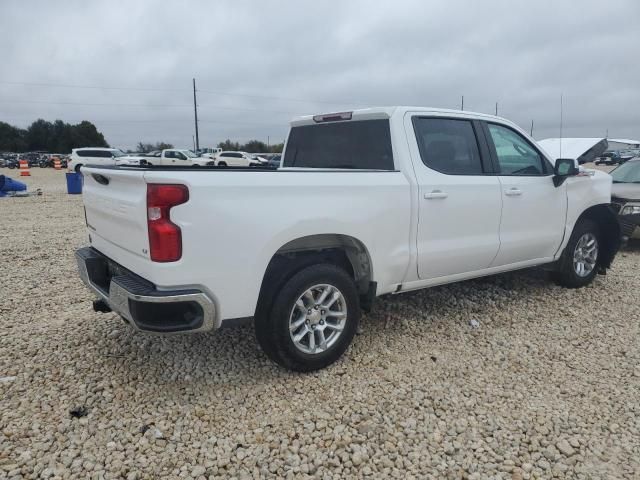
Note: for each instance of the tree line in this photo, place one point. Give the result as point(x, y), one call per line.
point(62, 137)
point(57, 136)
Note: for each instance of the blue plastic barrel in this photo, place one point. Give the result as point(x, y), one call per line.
point(74, 183)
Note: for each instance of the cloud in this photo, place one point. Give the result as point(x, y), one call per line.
point(257, 64)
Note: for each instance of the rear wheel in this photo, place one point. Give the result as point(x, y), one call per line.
point(580, 261)
point(313, 319)
point(77, 169)
point(222, 164)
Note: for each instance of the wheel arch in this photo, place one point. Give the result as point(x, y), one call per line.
point(341, 250)
point(611, 235)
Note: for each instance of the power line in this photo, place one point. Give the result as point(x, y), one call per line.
point(166, 120)
point(152, 105)
point(153, 89)
point(92, 87)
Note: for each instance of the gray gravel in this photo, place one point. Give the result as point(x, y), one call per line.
point(547, 385)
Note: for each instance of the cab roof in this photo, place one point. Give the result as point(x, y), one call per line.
point(374, 113)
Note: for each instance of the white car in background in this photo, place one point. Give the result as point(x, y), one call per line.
point(238, 159)
point(103, 157)
point(170, 157)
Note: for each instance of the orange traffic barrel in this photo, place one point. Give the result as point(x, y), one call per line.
point(24, 168)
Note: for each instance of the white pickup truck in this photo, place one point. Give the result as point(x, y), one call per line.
point(170, 157)
point(367, 203)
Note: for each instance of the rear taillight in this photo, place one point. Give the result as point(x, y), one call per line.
point(165, 237)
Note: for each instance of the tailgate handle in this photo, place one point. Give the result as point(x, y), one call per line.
point(101, 179)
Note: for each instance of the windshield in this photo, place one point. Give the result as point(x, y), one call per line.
point(628, 172)
point(190, 154)
point(118, 153)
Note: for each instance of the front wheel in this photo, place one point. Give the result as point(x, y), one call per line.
point(580, 261)
point(77, 169)
point(312, 321)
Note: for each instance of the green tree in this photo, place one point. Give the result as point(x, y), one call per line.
point(149, 147)
point(255, 146)
point(40, 135)
point(162, 146)
point(277, 148)
point(56, 137)
point(229, 145)
point(12, 139)
point(85, 134)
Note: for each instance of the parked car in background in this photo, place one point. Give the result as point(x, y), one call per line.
point(625, 197)
point(93, 156)
point(614, 157)
point(367, 203)
point(238, 159)
point(631, 153)
point(274, 161)
point(170, 157)
point(12, 163)
point(209, 152)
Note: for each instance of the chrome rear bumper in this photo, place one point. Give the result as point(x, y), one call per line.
point(140, 303)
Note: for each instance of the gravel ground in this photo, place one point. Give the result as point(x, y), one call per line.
point(547, 386)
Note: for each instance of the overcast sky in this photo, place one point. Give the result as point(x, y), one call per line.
point(259, 63)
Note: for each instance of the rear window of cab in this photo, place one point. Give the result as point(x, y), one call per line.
point(361, 145)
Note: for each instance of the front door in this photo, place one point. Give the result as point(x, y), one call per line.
point(458, 205)
point(533, 209)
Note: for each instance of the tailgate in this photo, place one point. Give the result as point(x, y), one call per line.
point(115, 202)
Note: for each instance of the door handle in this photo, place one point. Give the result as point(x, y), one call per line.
point(435, 194)
point(513, 192)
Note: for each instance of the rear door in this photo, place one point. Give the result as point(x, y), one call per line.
point(459, 197)
point(533, 209)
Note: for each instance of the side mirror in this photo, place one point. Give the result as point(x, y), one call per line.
point(564, 168)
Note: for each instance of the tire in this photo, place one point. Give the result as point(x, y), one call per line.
point(273, 328)
point(77, 169)
point(568, 274)
point(222, 164)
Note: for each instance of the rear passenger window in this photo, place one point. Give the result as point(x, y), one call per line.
point(363, 144)
point(448, 146)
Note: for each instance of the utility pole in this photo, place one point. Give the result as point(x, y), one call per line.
point(195, 112)
point(560, 125)
point(268, 142)
point(194, 142)
point(462, 103)
point(531, 128)
point(496, 109)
